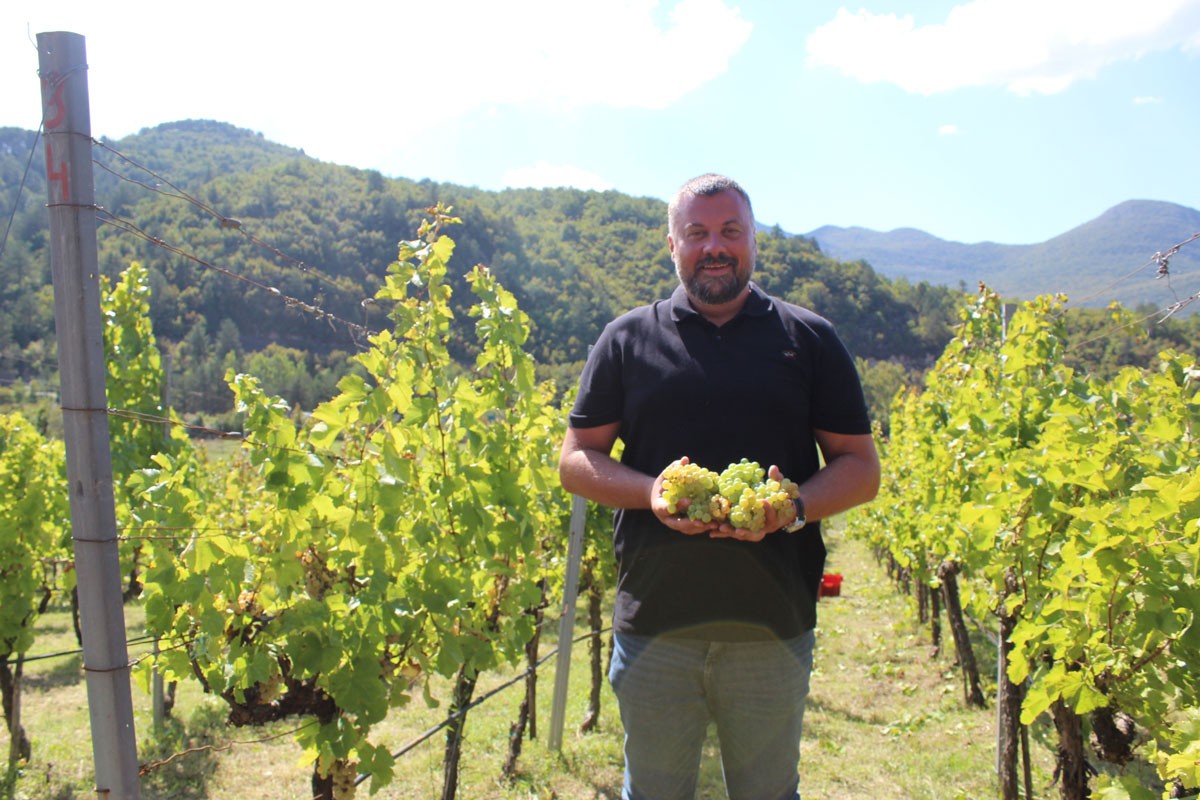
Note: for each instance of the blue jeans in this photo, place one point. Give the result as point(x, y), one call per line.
point(668, 690)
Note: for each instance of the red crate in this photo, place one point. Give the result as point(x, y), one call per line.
point(831, 585)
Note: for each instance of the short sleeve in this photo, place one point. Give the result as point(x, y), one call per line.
point(600, 400)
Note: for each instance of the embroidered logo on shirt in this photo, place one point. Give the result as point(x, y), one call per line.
point(790, 354)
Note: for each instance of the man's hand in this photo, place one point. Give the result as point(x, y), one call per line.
point(678, 521)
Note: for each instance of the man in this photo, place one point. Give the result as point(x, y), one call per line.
point(713, 623)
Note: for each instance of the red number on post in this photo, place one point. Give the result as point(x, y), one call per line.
point(57, 107)
point(54, 116)
point(57, 173)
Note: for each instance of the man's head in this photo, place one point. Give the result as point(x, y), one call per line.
point(711, 236)
point(707, 185)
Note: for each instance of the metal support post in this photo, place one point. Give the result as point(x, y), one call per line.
point(62, 65)
point(566, 623)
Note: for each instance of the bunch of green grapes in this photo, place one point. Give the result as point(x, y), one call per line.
point(344, 774)
point(746, 486)
point(736, 495)
point(318, 578)
point(739, 477)
point(695, 483)
point(271, 689)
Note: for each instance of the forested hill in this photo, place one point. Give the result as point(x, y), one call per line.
point(574, 258)
point(324, 234)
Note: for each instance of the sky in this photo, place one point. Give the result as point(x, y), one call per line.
point(1009, 121)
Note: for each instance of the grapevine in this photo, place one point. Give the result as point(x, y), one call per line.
point(33, 549)
point(1070, 507)
point(401, 533)
point(134, 384)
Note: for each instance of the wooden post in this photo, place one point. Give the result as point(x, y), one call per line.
point(1008, 697)
point(62, 65)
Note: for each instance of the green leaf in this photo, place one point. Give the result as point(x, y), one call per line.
point(359, 689)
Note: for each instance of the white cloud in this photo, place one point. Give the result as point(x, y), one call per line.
point(366, 82)
point(381, 69)
point(543, 174)
point(1146, 100)
point(472, 53)
point(949, 129)
point(1025, 46)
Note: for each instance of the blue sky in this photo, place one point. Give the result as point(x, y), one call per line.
point(978, 120)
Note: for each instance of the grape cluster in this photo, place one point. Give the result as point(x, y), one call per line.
point(749, 490)
point(271, 689)
point(736, 495)
point(247, 603)
point(318, 578)
point(343, 774)
point(695, 484)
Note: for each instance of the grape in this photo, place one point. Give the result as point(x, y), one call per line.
point(695, 484)
point(247, 603)
point(739, 477)
point(271, 689)
point(344, 773)
point(318, 578)
point(738, 495)
point(750, 490)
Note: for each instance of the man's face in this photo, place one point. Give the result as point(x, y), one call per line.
point(712, 245)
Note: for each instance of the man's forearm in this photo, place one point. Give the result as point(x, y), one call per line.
point(602, 479)
point(846, 481)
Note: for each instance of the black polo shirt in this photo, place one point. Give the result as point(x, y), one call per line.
point(753, 388)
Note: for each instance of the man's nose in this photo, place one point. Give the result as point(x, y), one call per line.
point(714, 244)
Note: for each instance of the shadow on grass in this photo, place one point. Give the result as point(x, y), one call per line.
point(52, 790)
point(51, 625)
point(59, 674)
point(588, 761)
point(835, 711)
point(178, 760)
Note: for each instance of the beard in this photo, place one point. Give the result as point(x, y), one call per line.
point(712, 290)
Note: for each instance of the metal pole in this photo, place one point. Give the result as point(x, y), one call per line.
point(158, 703)
point(566, 623)
point(62, 65)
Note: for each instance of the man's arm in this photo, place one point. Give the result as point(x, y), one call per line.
point(587, 468)
point(849, 478)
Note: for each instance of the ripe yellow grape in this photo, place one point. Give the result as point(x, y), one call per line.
point(738, 495)
point(695, 484)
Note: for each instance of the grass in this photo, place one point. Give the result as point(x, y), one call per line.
point(886, 718)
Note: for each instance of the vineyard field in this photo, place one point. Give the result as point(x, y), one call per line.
point(885, 719)
point(345, 590)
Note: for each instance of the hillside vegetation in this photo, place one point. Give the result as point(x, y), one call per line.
point(226, 202)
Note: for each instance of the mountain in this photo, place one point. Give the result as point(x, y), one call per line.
point(1109, 258)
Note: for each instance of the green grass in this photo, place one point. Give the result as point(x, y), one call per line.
point(886, 719)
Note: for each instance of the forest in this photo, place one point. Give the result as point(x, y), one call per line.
point(196, 201)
